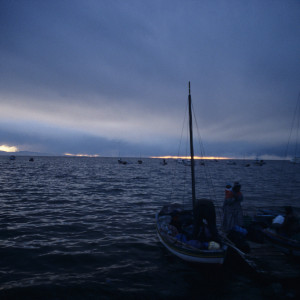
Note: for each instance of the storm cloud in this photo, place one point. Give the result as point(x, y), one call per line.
point(79, 76)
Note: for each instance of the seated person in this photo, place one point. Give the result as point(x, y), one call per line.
point(290, 224)
point(205, 211)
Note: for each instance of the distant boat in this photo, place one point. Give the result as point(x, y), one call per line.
point(31, 159)
point(12, 157)
point(140, 161)
point(163, 162)
point(174, 224)
point(295, 160)
point(258, 162)
point(122, 162)
point(185, 162)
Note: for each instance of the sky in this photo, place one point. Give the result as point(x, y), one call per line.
point(110, 78)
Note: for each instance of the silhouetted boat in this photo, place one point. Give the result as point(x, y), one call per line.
point(259, 162)
point(163, 162)
point(31, 159)
point(122, 162)
point(286, 244)
point(185, 162)
point(140, 161)
point(295, 160)
point(12, 157)
point(173, 221)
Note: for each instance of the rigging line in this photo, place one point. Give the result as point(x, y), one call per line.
point(208, 176)
point(176, 167)
point(185, 175)
point(292, 127)
point(297, 128)
point(183, 126)
point(283, 168)
point(185, 154)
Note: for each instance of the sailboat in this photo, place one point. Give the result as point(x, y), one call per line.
point(295, 160)
point(175, 225)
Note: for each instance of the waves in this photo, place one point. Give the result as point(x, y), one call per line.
point(87, 224)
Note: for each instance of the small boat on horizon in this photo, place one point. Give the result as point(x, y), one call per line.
point(295, 160)
point(122, 162)
point(163, 162)
point(259, 162)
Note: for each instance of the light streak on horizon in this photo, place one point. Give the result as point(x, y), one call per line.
point(82, 155)
point(188, 157)
point(6, 148)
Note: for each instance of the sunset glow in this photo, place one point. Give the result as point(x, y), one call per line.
point(188, 157)
point(6, 148)
point(82, 155)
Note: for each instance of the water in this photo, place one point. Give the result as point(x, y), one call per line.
point(84, 228)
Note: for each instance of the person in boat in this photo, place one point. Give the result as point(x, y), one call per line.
point(232, 209)
point(290, 224)
point(228, 191)
point(205, 221)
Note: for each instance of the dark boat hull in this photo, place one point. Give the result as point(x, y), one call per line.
point(186, 251)
point(286, 245)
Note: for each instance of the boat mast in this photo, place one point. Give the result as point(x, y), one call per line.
point(192, 149)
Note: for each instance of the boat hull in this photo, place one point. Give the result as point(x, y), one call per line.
point(286, 245)
point(187, 252)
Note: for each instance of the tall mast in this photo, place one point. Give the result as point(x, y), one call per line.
point(192, 149)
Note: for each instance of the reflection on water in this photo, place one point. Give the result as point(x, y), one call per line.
point(85, 226)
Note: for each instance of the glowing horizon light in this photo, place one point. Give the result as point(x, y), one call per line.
point(6, 148)
point(188, 157)
point(82, 155)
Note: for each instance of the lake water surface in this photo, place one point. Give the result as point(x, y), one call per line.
point(84, 228)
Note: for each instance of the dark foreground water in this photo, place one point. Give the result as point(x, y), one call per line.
point(84, 228)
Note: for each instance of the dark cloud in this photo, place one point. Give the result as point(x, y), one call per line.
point(118, 70)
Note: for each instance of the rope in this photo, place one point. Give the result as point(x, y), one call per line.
point(175, 170)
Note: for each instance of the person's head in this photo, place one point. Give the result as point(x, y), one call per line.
point(236, 187)
point(288, 210)
point(228, 186)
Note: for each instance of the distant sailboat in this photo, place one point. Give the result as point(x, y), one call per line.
point(295, 160)
point(259, 162)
